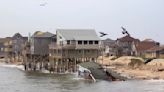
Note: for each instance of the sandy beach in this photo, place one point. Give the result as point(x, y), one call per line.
point(152, 70)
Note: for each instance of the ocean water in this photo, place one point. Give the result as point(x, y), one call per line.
point(13, 79)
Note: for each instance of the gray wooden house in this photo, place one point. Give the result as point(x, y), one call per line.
point(40, 42)
point(73, 46)
point(37, 50)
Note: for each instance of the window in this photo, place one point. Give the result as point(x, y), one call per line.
point(79, 42)
point(96, 42)
point(60, 37)
point(85, 42)
point(90, 42)
point(68, 41)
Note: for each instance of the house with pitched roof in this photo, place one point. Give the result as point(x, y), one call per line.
point(14, 47)
point(74, 46)
point(18, 42)
point(40, 42)
point(37, 50)
point(125, 45)
point(140, 48)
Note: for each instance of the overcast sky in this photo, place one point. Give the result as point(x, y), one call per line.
point(142, 18)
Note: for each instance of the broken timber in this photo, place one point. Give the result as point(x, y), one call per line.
point(98, 72)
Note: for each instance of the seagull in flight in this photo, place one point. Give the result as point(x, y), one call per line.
point(124, 31)
point(102, 34)
point(43, 4)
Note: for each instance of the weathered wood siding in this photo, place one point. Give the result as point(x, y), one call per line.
point(41, 45)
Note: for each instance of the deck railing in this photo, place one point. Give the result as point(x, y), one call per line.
point(55, 46)
point(75, 46)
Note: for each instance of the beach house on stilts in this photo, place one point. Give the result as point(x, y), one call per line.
point(73, 46)
point(37, 57)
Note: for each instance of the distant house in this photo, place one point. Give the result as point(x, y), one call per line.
point(14, 47)
point(74, 46)
point(140, 48)
point(125, 45)
point(8, 49)
point(2, 47)
point(18, 42)
point(111, 48)
point(155, 52)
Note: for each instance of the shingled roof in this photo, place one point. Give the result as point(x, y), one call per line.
point(145, 45)
point(78, 34)
point(128, 38)
point(42, 34)
point(17, 35)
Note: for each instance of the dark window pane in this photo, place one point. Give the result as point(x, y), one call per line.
point(90, 42)
point(96, 42)
point(79, 42)
point(85, 42)
point(68, 41)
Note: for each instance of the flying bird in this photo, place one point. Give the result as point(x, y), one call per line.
point(43, 4)
point(124, 31)
point(102, 34)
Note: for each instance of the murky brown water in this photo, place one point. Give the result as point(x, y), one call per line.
point(15, 80)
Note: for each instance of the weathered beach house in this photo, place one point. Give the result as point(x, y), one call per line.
point(72, 47)
point(18, 42)
point(142, 47)
point(14, 47)
point(125, 45)
point(37, 50)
